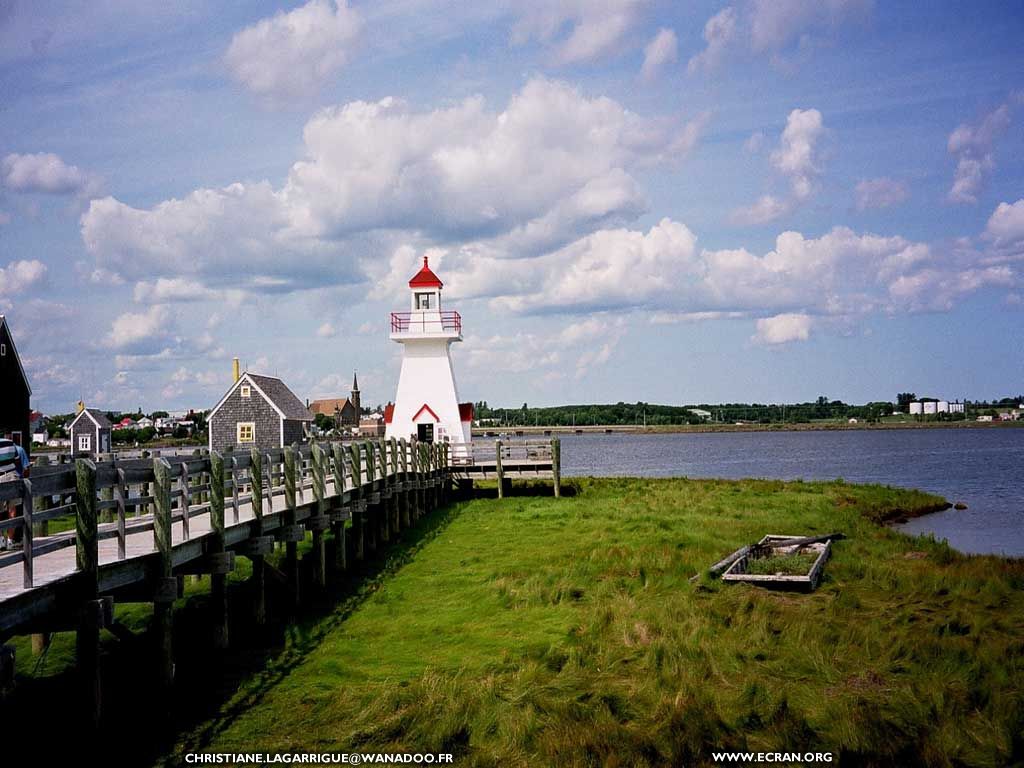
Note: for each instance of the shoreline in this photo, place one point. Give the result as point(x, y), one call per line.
point(709, 428)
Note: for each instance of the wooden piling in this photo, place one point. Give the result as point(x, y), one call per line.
point(497, 468)
point(556, 465)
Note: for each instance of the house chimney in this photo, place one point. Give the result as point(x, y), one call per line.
point(80, 407)
point(235, 372)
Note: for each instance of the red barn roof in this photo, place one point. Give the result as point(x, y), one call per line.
point(425, 278)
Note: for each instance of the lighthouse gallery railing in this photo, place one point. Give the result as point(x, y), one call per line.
point(450, 320)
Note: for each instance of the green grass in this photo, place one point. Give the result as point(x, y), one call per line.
point(533, 631)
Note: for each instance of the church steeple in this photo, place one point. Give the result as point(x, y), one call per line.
point(354, 397)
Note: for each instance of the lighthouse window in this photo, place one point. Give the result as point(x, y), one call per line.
point(423, 300)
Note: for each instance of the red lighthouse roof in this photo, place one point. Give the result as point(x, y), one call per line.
point(425, 278)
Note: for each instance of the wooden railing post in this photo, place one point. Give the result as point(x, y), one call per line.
point(42, 503)
point(319, 522)
point(26, 532)
point(87, 637)
point(120, 497)
point(413, 479)
point(259, 564)
point(167, 589)
point(403, 479)
point(373, 512)
point(218, 581)
point(358, 515)
point(290, 537)
point(497, 468)
point(556, 465)
point(338, 514)
point(185, 499)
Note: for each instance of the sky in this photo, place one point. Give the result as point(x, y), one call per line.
point(627, 200)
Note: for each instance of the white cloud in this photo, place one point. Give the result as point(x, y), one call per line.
point(766, 208)
point(772, 28)
point(719, 32)
point(551, 165)
point(776, 24)
point(882, 192)
point(291, 55)
point(46, 172)
point(141, 332)
point(598, 27)
point(20, 276)
point(784, 328)
point(755, 142)
point(179, 290)
point(327, 331)
point(797, 155)
point(661, 51)
point(1006, 224)
point(972, 145)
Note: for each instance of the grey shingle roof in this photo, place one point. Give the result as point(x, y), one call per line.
point(100, 416)
point(282, 397)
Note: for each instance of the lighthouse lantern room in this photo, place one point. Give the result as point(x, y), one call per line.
point(427, 402)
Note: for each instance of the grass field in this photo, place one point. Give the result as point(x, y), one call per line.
point(535, 631)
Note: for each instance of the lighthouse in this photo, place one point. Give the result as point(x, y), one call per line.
point(427, 402)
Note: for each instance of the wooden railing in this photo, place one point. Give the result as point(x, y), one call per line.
point(118, 498)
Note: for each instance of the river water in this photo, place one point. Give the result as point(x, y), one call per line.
point(983, 468)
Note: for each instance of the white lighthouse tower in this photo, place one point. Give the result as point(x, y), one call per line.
point(427, 402)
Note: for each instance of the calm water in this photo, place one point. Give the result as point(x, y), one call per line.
point(982, 467)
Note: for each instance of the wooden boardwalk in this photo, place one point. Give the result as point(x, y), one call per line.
point(141, 524)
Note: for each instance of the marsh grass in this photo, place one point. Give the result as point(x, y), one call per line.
point(534, 631)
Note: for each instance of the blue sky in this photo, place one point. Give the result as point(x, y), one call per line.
point(627, 200)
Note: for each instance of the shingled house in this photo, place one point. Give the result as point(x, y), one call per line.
point(14, 405)
point(258, 412)
point(90, 432)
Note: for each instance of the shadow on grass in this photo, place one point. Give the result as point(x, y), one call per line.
point(141, 726)
point(489, 490)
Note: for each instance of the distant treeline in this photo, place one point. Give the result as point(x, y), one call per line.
point(652, 414)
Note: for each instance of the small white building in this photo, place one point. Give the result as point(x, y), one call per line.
point(942, 407)
point(956, 407)
point(916, 408)
point(427, 403)
point(930, 408)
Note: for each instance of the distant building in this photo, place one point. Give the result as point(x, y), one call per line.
point(258, 412)
point(15, 409)
point(984, 418)
point(916, 408)
point(90, 432)
point(956, 407)
point(931, 408)
point(701, 413)
point(373, 425)
point(346, 411)
point(144, 422)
